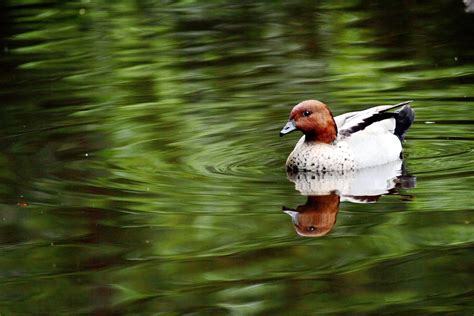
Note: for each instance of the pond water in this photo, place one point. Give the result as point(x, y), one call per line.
point(141, 170)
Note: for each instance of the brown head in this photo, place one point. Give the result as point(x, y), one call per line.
point(317, 217)
point(314, 119)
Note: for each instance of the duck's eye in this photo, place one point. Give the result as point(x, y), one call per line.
point(306, 113)
point(311, 228)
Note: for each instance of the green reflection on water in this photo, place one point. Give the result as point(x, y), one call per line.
point(141, 170)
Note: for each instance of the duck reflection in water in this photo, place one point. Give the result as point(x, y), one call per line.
point(325, 191)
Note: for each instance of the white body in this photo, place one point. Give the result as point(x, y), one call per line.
point(372, 146)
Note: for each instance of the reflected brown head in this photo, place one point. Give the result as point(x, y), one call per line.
point(315, 120)
point(317, 217)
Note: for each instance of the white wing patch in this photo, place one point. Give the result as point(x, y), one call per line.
point(353, 122)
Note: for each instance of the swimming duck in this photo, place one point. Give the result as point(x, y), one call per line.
point(349, 141)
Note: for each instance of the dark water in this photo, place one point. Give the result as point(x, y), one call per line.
point(141, 170)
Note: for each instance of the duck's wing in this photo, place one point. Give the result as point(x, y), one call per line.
point(341, 119)
point(350, 123)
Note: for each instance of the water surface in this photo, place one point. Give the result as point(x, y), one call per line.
point(141, 170)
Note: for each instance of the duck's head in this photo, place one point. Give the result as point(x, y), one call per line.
point(314, 119)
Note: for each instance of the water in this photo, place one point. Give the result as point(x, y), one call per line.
point(142, 172)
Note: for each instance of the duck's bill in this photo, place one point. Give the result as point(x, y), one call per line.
point(289, 127)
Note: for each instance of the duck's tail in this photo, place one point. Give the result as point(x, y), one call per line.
point(403, 119)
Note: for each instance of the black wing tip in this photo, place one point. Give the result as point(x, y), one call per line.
point(404, 119)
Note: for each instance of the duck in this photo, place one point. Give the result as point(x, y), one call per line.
point(349, 141)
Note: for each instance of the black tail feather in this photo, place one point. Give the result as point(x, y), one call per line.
point(403, 119)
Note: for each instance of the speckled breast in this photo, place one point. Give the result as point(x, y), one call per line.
point(320, 157)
